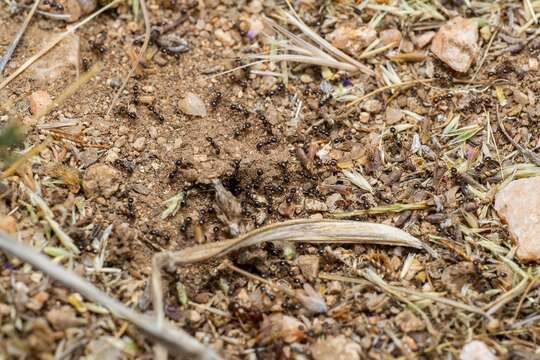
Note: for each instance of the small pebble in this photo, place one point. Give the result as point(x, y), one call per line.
point(39, 101)
point(476, 350)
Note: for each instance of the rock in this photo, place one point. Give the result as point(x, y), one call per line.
point(8, 224)
point(255, 7)
point(521, 97)
point(192, 104)
point(193, 316)
point(393, 115)
point(139, 144)
point(334, 287)
point(309, 266)
point(36, 302)
point(423, 39)
point(39, 101)
point(372, 106)
point(390, 36)
point(336, 348)
point(279, 326)
point(331, 201)
point(457, 275)
point(350, 38)
point(314, 205)
point(57, 62)
point(408, 322)
point(88, 157)
point(101, 179)
point(63, 318)
point(75, 9)
point(111, 156)
point(476, 350)
point(106, 348)
point(140, 188)
point(224, 37)
point(306, 78)
point(456, 43)
point(518, 204)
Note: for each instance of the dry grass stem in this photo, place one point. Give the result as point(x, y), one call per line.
point(53, 43)
point(11, 48)
point(142, 51)
point(303, 230)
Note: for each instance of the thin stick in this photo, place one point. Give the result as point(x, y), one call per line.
point(395, 208)
point(533, 283)
point(509, 296)
point(176, 340)
point(251, 276)
point(11, 48)
point(485, 55)
point(53, 43)
point(388, 87)
point(139, 57)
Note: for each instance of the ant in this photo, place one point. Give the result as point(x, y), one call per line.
point(261, 144)
point(216, 100)
point(266, 124)
point(216, 147)
point(173, 174)
point(160, 117)
point(131, 208)
point(279, 88)
point(239, 108)
point(125, 164)
point(241, 129)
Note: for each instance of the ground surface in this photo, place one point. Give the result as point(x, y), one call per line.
point(399, 138)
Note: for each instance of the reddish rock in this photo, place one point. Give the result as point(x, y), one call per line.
point(423, 39)
point(38, 101)
point(518, 205)
point(390, 36)
point(8, 224)
point(352, 39)
point(456, 43)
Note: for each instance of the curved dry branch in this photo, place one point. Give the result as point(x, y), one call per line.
point(326, 231)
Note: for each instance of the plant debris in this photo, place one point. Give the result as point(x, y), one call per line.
point(269, 179)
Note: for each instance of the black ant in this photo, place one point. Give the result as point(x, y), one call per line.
point(261, 144)
point(97, 45)
point(240, 109)
point(279, 88)
point(216, 147)
point(57, 6)
point(85, 64)
point(285, 171)
point(185, 224)
point(125, 165)
point(160, 117)
point(241, 129)
point(258, 179)
point(173, 174)
point(216, 100)
point(266, 124)
point(131, 208)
